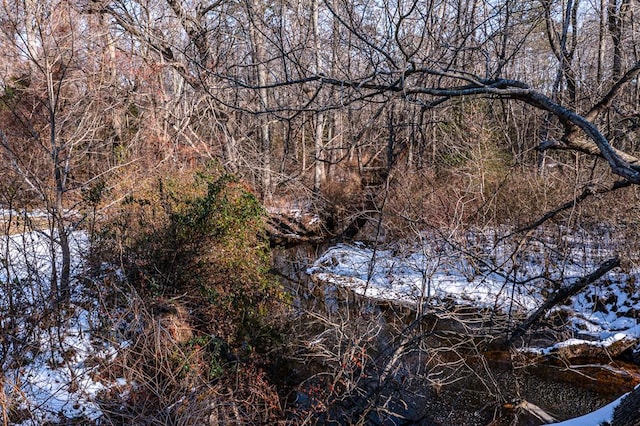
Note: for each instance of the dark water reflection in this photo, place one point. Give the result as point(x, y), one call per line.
point(487, 387)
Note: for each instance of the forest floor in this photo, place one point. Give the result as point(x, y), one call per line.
point(50, 361)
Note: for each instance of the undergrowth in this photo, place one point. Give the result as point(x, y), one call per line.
point(197, 305)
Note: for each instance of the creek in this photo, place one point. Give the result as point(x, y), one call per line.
point(455, 375)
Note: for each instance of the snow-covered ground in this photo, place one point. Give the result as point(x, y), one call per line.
point(486, 274)
point(49, 367)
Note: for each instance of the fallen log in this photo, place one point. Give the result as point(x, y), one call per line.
point(291, 228)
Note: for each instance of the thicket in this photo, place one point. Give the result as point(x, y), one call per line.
point(199, 305)
point(374, 121)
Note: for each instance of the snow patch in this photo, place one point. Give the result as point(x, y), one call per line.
point(487, 275)
point(595, 418)
point(50, 367)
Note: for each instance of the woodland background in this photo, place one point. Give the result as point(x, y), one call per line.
point(183, 137)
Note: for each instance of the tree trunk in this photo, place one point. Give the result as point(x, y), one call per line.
point(319, 170)
point(319, 174)
point(259, 54)
point(562, 295)
point(628, 412)
point(615, 11)
point(60, 286)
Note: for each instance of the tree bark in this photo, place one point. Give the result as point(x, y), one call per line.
point(319, 168)
point(628, 412)
point(259, 56)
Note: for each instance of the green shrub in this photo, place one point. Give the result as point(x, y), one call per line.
point(201, 239)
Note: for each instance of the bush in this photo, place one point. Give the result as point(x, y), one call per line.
point(217, 252)
point(198, 265)
point(202, 239)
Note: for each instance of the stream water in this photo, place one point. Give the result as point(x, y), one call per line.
point(481, 385)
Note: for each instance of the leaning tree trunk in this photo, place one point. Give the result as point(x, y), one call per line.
point(628, 412)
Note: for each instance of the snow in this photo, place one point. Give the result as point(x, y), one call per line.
point(58, 384)
point(604, 343)
point(50, 367)
point(485, 274)
point(7, 213)
point(381, 275)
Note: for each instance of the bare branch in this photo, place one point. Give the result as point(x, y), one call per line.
point(562, 295)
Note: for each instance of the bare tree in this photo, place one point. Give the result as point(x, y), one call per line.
point(52, 124)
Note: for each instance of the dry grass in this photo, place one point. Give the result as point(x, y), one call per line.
point(168, 373)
